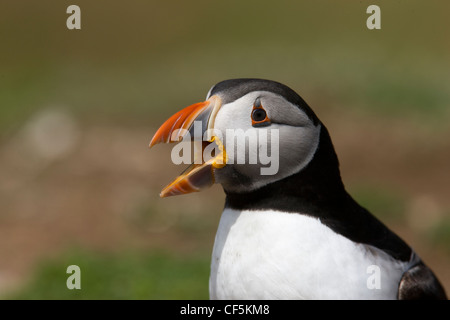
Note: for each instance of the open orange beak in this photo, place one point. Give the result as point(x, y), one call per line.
point(198, 175)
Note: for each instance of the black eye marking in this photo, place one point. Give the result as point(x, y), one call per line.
point(259, 115)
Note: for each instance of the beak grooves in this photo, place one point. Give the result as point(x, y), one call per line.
point(199, 175)
point(181, 120)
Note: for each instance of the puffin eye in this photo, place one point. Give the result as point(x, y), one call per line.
point(259, 115)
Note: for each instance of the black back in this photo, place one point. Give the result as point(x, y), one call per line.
point(419, 283)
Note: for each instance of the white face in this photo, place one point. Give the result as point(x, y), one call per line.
point(292, 139)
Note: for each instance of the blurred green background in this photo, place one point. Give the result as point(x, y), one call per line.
point(78, 184)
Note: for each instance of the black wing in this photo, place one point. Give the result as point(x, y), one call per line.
point(419, 282)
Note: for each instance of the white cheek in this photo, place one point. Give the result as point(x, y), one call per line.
point(235, 115)
point(284, 154)
point(233, 124)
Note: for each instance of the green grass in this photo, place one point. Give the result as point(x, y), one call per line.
point(155, 275)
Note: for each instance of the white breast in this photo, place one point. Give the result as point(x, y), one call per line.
point(277, 255)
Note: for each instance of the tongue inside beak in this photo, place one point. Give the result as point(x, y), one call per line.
point(200, 174)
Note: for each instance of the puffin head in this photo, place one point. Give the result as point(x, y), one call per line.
point(249, 133)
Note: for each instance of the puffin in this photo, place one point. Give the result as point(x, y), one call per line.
point(289, 229)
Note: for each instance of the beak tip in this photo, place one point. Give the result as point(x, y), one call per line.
point(152, 142)
point(165, 194)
